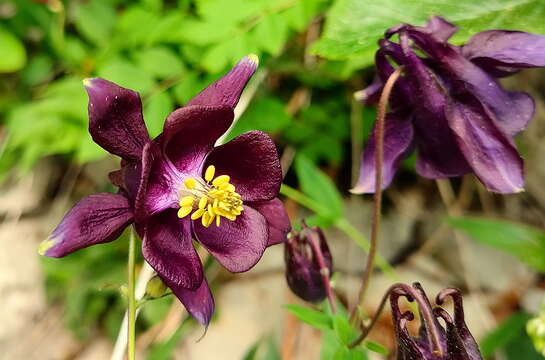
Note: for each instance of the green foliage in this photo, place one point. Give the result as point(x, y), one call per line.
point(13, 52)
point(524, 242)
point(354, 26)
point(504, 334)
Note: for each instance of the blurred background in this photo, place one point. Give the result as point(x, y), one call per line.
point(314, 54)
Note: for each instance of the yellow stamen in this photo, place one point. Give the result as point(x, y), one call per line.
point(211, 210)
point(209, 173)
point(187, 201)
point(205, 219)
point(202, 202)
point(190, 183)
point(218, 220)
point(184, 211)
point(197, 214)
point(222, 179)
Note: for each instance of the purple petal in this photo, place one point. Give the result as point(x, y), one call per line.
point(115, 118)
point(277, 219)
point(199, 303)
point(438, 152)
point(251, 160)
point(167, 246)
point(190, 132)
point(441, 28)
point(227, 90)
point(237, 245)
point(371, 94)
point(514, 49)
point(513, 110)
point(398, 137)
point(95, 219)
point(151, 160)
point(490, 153)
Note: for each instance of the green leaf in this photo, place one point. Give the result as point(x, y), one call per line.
point(156, 111)
point(13, 52)
point(159, 61)
point(319, 187)
point(354, 26)
point(266, 114)
point(95, 20)
point(523, 242)
point(375, 347)
point(344, 331)
point(271, 33)
point(506, 332)
point(312, 317)
point(124, 73)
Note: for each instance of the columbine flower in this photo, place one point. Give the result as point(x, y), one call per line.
point(433, 342)
point(179, 187)
point(450, 106)
point(304, 273)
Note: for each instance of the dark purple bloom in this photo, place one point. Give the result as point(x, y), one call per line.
point(450, 106)
point(433, 341)
point(180, 187)
point(303, 253)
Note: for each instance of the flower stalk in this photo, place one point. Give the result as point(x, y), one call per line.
point(377, 198)
point(131, 329)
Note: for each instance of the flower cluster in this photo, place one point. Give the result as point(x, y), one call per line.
point(450, 106)
point(230, 190)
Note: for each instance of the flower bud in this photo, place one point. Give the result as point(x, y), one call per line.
point(155, 288)
point(308, 263)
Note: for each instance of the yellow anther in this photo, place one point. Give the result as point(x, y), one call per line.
point(197, 214)
point(218, 220)
point(202, 202)
point(211, 210)
point(227, 187)
point(187, 201)
point(209, 173)
point(190, 183)
point(205, 219)
point(222, 179)
point(184, 211)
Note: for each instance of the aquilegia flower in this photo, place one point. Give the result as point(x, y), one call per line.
point(450, 106)
point(433, 342)
point(304, 274)
point(179, 187)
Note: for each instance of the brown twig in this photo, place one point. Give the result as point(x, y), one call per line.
point(377, 199)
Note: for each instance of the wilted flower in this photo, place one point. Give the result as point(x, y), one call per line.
point(179, 187)
point(308, 264)
point(450, 106)
point(433, 342)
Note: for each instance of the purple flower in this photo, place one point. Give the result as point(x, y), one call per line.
point(180, 186)
point(433, 341)
point(304, 253)
point(450, 106)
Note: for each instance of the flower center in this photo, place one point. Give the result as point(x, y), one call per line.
point(210, 198)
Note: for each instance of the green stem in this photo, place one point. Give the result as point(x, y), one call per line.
point(131, 335)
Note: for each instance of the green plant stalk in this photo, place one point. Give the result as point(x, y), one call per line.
point(341, 224)
point(131, 333)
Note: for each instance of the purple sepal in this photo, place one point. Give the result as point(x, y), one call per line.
point(167, 246)
point(95, 219)
point(227, 90)
point(115, 118)
point(278, 222)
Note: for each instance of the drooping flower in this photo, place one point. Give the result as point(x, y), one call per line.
point(433, 341)
point(450, 106)
point(180, 186)
point(304, 273)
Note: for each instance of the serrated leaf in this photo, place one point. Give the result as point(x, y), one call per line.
point(319, 187)
point(523, 242)
point(13, 52)
point(354, 26)
point(312, 317)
